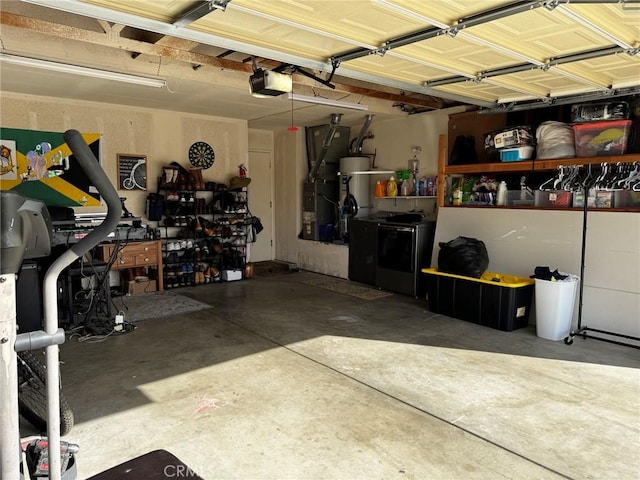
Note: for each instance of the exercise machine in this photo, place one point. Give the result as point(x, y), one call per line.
point(26, 233)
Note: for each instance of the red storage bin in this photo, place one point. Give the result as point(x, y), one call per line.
point(602, 138)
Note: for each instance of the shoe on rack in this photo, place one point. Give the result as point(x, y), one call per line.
point(201, 206)
point(215, 274)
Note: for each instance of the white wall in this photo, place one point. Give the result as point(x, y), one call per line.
point(162, 136)
point(392, 143)
point(519, 240)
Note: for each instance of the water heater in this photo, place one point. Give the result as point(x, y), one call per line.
point(359, 185)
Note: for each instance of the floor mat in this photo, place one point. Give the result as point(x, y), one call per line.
point(348, 288)
point(271, 267)
point(146, 306)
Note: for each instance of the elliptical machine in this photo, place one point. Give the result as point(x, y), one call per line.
point(25, 233)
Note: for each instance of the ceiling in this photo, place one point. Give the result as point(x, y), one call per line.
point(398, 57)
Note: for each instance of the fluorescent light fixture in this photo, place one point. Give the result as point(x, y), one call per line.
point(84, 71)
point(326, 101)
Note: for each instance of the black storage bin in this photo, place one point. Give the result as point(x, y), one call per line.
point(495, 300)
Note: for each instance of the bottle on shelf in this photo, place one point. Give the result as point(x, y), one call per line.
point(501, 198)
point(404, 188)
point(379, 189)
point(392, 187)
point(457, 196)
point(430, 186)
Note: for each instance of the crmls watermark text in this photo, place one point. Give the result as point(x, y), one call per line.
point(179, 471)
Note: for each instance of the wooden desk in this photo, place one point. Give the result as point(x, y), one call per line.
point(146, 253)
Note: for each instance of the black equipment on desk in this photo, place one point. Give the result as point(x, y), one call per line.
point(72, 234)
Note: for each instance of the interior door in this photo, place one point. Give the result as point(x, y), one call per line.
point(261, 203)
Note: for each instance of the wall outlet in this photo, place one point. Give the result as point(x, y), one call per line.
point(119, 326)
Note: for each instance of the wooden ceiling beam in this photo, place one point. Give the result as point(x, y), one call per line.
point(175, 42)
point(133, 46)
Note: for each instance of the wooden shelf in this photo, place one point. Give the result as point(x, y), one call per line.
point(369, 172)
point(536, 165)
point(408, 197)
point(546, 207)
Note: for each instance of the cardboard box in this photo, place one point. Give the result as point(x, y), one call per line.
point(141, 286)
point(495, 300)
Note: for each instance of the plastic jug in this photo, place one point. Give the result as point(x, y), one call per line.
point(392, 188)
point(502, 193)
point(404, 188)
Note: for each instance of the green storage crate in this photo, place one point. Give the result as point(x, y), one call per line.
point(495, 300)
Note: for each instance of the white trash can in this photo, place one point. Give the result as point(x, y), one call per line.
point(554, 307)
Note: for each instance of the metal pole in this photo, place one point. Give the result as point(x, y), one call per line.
point(583, 252)
point(53, 359)
point(10, 455)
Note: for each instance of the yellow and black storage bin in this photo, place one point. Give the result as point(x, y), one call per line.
point(495, 300)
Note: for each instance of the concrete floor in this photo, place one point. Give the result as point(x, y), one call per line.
point(283, 380)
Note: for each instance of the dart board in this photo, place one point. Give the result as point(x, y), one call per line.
point(201, 155)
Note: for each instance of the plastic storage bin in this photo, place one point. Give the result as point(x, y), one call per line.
point(626, 198)
point(601, 138)
point(592, 112)
point(553, 198)
point(495, 300)
point(595, 199)
point(516, 154)
point(554, 307)
point(231, 275)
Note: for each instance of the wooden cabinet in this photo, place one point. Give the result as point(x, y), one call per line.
point(134, 254)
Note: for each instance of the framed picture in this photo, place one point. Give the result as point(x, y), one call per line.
point(132, 172)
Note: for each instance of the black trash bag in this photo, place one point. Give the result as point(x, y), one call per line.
point(463, 256)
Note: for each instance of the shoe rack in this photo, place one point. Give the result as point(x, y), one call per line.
point(204, 235)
